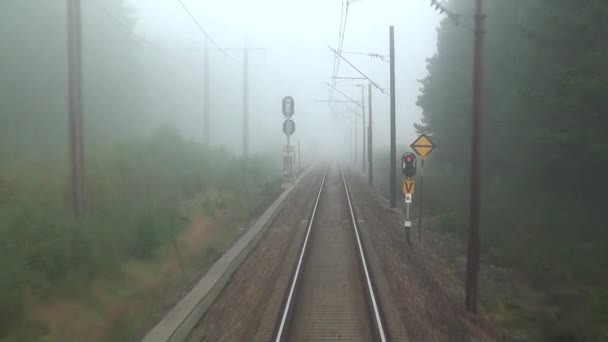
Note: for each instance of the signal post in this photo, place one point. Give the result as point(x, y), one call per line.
point(408, 168)
point(423, 146)
point(289, 128)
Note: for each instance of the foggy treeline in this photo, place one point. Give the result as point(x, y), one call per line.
point(130, 85)
point(545, 153)
point(143, 158)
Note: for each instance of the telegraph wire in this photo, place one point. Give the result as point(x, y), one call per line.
point(343, 26)
point(120, 23)
point(341, 43)
point(344, 30)
point(205, 32)
point(340, 38)
point(346, 96)
point(339, 35)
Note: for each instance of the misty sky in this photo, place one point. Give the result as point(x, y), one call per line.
point(295, 35)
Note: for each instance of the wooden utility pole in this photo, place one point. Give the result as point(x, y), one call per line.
point(351, 140)
point(363, 129)
point(370, 150)
point(245, 94)
point(207, 104)
point(207, 97)
point(472, 277)
point(393, 166)
point(356, 134)
point(245, 101)
point(75, 116)
point(299, 159)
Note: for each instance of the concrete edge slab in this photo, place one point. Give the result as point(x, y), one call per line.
point(179, 322)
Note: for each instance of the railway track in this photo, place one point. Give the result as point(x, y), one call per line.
point(331, 294)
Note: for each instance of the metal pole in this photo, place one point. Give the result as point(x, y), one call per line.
point(246, 125)
point(370, 139)
point(363, 129)
point(207, 104)
point(350, 141)
point(407, 219)
point(356, 138)
point(420, 213)
point(75, 116)
point(286, 161)
point(245, 101)
point(393, 157)
point(289, 158)
point(299, 159)
point(473, 257)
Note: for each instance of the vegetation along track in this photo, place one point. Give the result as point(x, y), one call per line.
point(331, 294)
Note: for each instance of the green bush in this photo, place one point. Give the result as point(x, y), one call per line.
point(133, 192)
point(11, 281)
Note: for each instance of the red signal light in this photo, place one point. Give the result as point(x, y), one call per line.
point(408, 167)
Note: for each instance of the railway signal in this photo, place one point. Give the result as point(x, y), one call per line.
point(288, 106)
point(408, 168)
point(423, 146)
point(289, 128)
point(409, 165)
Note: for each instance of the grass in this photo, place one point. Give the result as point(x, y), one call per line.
point(116, 306)
point(547, 286)
point(548, 280)
point(160, 210)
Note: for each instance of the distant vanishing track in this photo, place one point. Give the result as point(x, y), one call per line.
point(331, 295)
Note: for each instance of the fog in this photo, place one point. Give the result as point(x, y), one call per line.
point(295, 62)
point(144, 66)
point(110, 220)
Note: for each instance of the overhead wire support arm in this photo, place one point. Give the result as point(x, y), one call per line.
point(382, 57)
point(369, 54)
point(359, 71)
point(347, 78)
point(341, 93)
point(334, 101)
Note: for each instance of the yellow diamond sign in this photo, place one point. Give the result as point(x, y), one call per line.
point(423, 146)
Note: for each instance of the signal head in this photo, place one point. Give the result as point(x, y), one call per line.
point(408, 164)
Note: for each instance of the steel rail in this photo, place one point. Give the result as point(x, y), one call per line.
point(368, 280)
point(288, 307)
point(292, 289)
